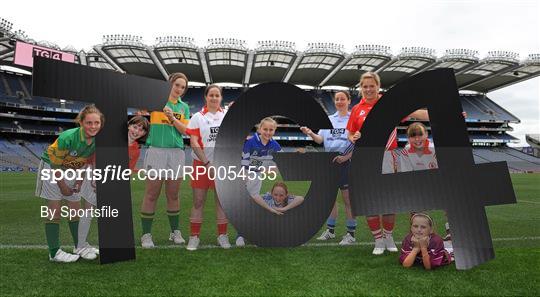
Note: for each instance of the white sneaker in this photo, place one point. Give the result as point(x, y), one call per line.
point(347, 239)
point(63, 257)
point(146, 241)
point(240, 241)
point(87, 245)
point(379, 246)
point(223, 241)
point(389, 243)
point(326, 235)
point(86, 253)
point(193, 243)
point(176, 237)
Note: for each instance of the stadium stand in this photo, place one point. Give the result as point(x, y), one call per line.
point(29, 123)
point(17, 155)
point(517, 161)
point(3, 84)
point(14, 85)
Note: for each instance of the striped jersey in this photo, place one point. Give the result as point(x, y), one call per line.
point(70, 150)
point(335, 139)
point(255, 154)
point(205, 125)
point(162, 131)
point(410, 160)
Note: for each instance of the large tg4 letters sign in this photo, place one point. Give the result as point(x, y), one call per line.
point(459, 186)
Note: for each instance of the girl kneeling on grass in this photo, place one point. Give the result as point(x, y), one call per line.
point(422, 245)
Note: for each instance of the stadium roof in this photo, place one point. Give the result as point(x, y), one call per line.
point(228, 60)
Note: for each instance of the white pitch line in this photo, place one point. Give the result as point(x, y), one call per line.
point(527, 201)
point(211, 246)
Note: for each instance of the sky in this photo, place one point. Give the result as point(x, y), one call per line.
point(440, 25)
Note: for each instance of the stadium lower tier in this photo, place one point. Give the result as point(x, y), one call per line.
point(24, 155)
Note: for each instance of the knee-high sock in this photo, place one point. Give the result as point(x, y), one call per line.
point(331, 224)
point(351, 226)
point(52, 233)
point(222, 226)
point(74, 230)
point(374, 224)
point(388, 221)
point(195, 226)
point(84, 228)
point(146, 222)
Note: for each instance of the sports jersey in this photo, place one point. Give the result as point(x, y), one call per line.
point(205, 125)
point(134, 152)
point(358, 115)
point(409, 160)
point(162, 131)
point(255, 154)
point(438, 256)
point(335, 139)
point(69, 150)
point(272, 203)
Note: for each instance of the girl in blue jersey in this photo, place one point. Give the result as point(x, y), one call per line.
point(335, 140)
point(257, 153)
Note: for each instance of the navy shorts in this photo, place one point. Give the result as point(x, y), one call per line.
point(344, 175)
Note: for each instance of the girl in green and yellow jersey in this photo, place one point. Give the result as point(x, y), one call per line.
point(166, 151)
point(71, 150)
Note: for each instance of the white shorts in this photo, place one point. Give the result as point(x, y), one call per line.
point(88, 192)
point(157, 158)
point(50, 191)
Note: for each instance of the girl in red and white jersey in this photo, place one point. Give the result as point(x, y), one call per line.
point(419, 153)
point(370, 84)
point(203, 129)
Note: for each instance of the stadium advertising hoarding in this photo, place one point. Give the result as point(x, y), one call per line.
point(25, 53)
point(462, 192)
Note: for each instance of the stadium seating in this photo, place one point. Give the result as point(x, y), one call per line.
point(14, 85)
point(10, 99)
point(17, 154)
point(3, 84)
point(517, 161)
point(481, 108)
point(7, 124)
point(40, 127)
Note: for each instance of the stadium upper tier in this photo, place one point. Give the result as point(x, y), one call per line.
point(228, 60)
point(478, 107)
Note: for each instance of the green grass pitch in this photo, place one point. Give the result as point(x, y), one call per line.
point(303, 271)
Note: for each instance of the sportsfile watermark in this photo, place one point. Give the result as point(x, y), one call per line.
point(113, 172)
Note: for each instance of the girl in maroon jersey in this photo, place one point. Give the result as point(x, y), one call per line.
point(422, 245)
